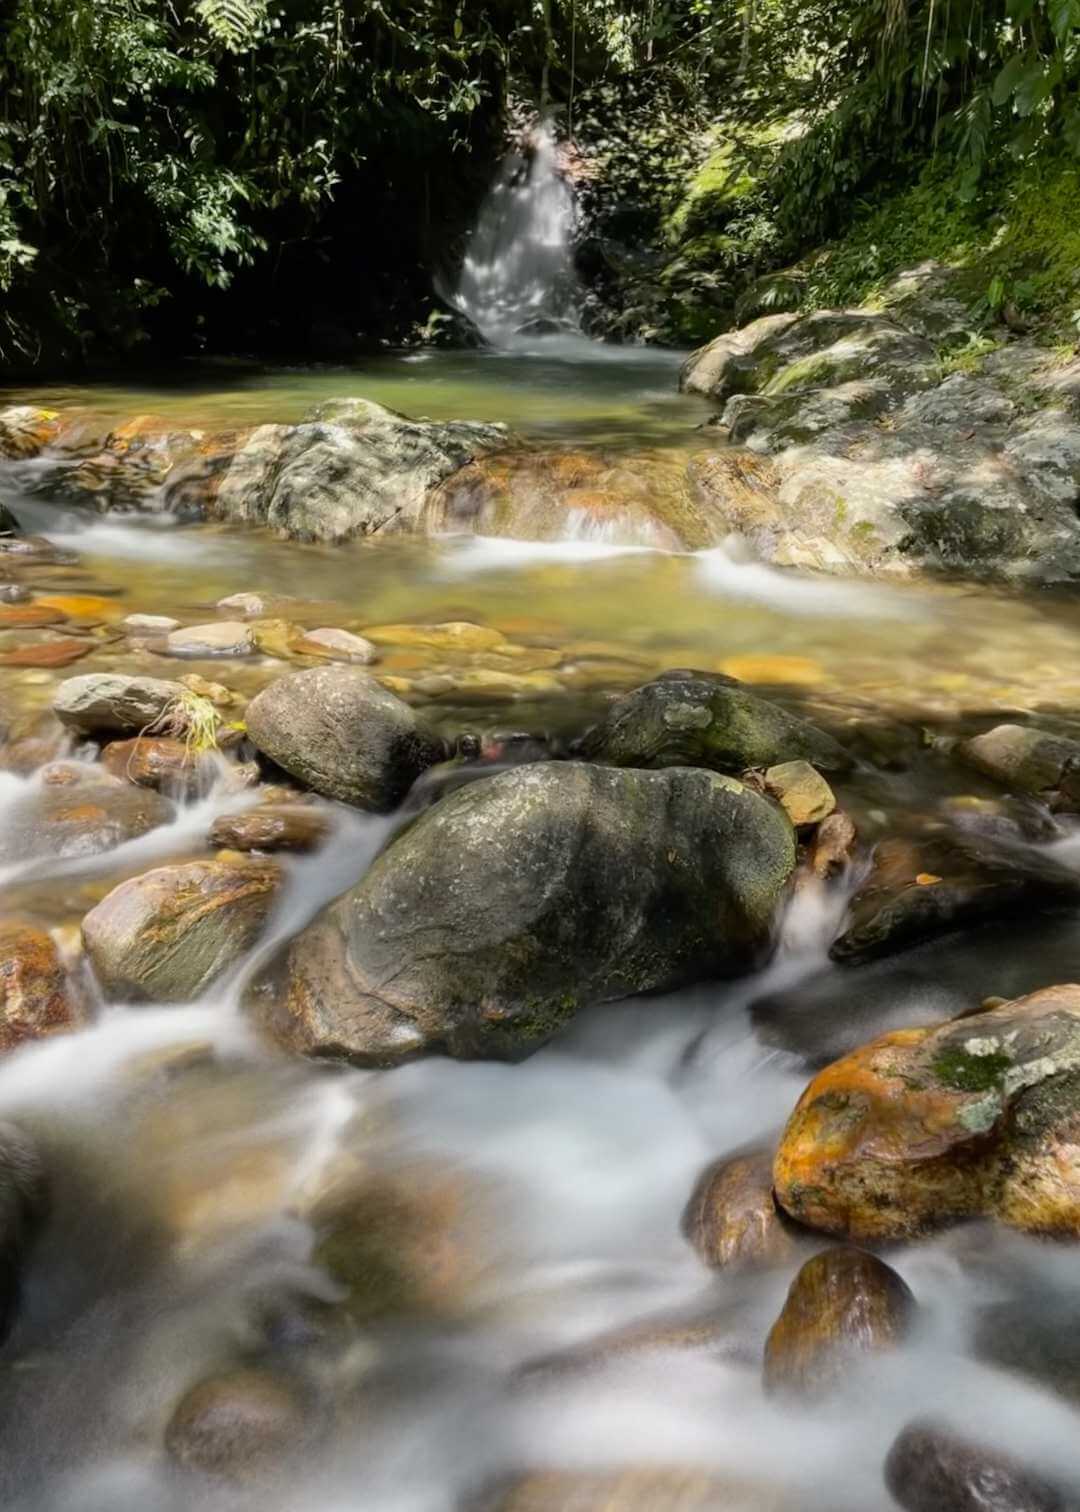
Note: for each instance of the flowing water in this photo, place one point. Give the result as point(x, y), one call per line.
point(517, 281)
point(183, 1153)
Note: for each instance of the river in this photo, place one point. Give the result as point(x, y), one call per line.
point(182, 1151)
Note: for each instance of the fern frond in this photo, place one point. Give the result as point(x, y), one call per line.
point(232, 24)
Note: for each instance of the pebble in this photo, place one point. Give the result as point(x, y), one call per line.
point(149, 624)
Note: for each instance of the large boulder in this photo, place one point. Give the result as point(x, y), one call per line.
point(694, 719)
point(780, 354)
point(351, 468)
point(340, 733)
point(974, 1117)
point(77, 810)
point(522, 897)
point(113, 703)
point(879, 461)
point(168, 935)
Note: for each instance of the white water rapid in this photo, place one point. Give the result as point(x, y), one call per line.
point(518, 281)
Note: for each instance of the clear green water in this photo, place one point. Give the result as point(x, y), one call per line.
point(616, 397)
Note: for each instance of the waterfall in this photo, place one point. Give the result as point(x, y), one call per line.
point(518, 279)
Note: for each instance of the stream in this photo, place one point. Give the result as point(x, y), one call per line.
point(564, 1326)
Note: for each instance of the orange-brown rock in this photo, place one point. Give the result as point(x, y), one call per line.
point(158, 761)
point(732, 1220)
point(53, 653)
point(273, 827)
point(542, 495)
point(979, 1116)
point(842, 1304)
point(78, 810)
point(239, 1425)
point(29, 616)
point(833, 846)
point(35, 996)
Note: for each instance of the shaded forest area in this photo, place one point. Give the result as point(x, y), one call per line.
point(290, 177)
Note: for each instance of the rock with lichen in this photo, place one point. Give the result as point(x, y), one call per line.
point(979, 1116)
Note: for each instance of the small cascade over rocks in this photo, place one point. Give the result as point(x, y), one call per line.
point(518, 280)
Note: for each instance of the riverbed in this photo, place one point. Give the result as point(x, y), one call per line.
point(563, 1325)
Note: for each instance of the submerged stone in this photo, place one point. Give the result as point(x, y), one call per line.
point(694, 719)
point(932, 1469)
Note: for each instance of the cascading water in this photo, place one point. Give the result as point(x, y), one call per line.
point(518, 280)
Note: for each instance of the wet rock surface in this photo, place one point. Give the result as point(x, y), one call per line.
point(241, 1425)
point(272, 827)
point(843, 1304)
point(170, 933)
point(732, 1220)
point(36, 997)
point(931, 1469)
point(169, 766)
point(340, 733)
point(76, 810)
point(925, 1126)
point(115, 703)
point(536, 892)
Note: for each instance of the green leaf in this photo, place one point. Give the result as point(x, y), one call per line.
point(1064, 17)
point(1010, 76)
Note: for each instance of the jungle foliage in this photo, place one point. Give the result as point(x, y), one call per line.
point(251, 172)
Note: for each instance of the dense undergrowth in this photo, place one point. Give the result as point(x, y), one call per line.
point(291, 177)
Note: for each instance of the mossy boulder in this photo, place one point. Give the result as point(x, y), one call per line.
point(523, 897)
point(1022, 757)
point(975, 1117)
point(784, 354)
point(701, 720)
